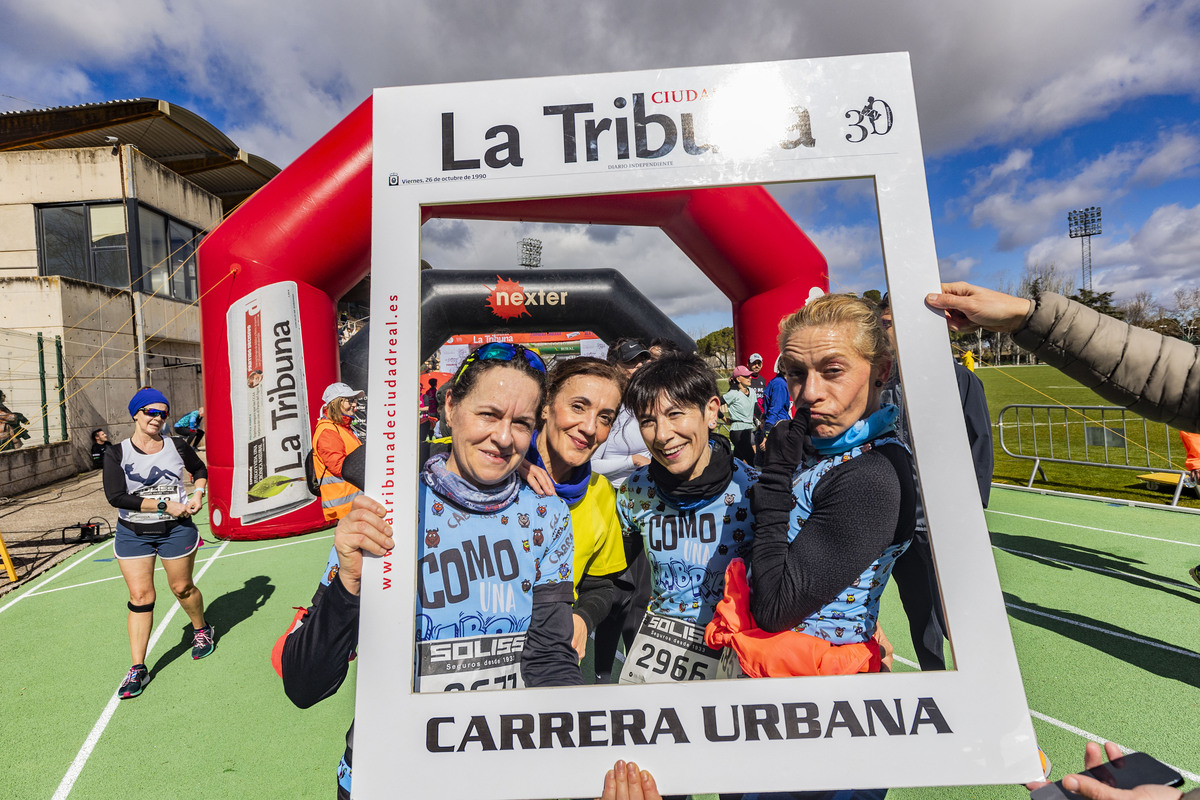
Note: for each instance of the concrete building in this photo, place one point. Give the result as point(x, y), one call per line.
point(101, 209)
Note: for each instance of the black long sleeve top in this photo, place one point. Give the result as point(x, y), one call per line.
point(860, 507)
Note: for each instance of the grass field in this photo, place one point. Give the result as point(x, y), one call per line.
point(1044, 385)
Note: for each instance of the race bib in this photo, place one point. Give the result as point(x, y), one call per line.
point(667, 649)
point(470, 664)
point(171, 492)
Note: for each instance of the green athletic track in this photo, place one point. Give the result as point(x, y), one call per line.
point(1105, 620)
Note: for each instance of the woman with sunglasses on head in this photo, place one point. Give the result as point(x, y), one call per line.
point(333, 440)
point(582, 399)
point(143, 479)
point(493, 557)
point(690, 506)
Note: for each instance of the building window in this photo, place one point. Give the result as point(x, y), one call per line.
point(85, 242)
point(168, 253)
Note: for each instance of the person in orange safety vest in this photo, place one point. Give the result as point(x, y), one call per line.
point(333, 440)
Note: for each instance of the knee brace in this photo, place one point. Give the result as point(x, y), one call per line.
point(141, 609)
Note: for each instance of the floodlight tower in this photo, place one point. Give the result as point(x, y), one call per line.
point(531, 253)
point(1084, 224)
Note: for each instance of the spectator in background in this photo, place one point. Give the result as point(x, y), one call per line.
point(624, 451)
point(100, 444)
point(12, 427)
point(660, 345)
point(189, 428)
point(737, 405)
point(968, 360)
point(916, 580)
point(333, 440)
point(758, 393)
point(776, 401)
point(616, 459)
point(1191, 444)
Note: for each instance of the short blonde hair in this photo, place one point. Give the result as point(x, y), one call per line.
point(835, 310)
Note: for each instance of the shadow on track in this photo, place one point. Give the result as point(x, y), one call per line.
point(1052, 554)
point(1143, 652)
point(224, 613)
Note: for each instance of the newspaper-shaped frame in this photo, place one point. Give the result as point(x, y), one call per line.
point(965, 726)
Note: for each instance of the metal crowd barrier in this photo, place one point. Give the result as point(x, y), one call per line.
point(1091, 436)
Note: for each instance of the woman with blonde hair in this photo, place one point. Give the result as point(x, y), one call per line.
point(833, 508)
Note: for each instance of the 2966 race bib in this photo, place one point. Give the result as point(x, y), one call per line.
point(470, 664)
point(667, 649)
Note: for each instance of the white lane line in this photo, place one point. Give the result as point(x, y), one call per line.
point(1098, 629)
point(1152, 578)
point(159, 568)
point(93, 738)
point(1071, 728)
point(1191, 776)
point(53, 575)
point(1090, 528)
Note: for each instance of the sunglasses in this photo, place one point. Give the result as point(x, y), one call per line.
point(501, 351)
point(154, 412)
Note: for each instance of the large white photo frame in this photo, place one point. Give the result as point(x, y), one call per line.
point(969, 725)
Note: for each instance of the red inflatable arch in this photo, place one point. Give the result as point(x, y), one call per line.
point(311, 225)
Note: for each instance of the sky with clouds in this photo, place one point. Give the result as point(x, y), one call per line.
point(1028, 109)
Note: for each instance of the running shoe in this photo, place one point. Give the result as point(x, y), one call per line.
point(1195, 573)
point(135, 680)
point(203, 641)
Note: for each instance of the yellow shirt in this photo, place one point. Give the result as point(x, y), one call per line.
point(598, 546)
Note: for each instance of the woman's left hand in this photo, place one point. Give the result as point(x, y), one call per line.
point(195, 503)
point(177, 510)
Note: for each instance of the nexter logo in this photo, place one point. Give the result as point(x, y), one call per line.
point(508, 299)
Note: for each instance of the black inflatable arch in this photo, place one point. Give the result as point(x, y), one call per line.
point(456, 302)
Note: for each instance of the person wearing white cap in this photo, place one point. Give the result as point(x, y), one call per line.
point(758, 393)
point(333, 440)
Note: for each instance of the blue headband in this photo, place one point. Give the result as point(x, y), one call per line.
point(146, 397)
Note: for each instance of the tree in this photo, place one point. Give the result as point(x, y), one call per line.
point(873, 296)
point(1100, 301)
point(718, 344)
point(1039, 278)
point(1141, 310)
point(1167, 326)
point(1187, 311)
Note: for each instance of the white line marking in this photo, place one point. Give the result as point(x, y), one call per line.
point(53, 575)
point(1191, 776)
point(1090, 528)
point(1098, 629)
point(93, 738)
point(159, 567)
point(1071, 728)
point(1152, 578)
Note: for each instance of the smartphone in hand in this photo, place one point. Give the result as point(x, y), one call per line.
point(1126, 772)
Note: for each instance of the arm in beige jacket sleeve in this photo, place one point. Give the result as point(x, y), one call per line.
point(1152, 375)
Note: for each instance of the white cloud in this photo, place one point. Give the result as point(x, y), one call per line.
point(1177, 156)
point(956, 268)
point(284, 73)
point(1158, 257)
